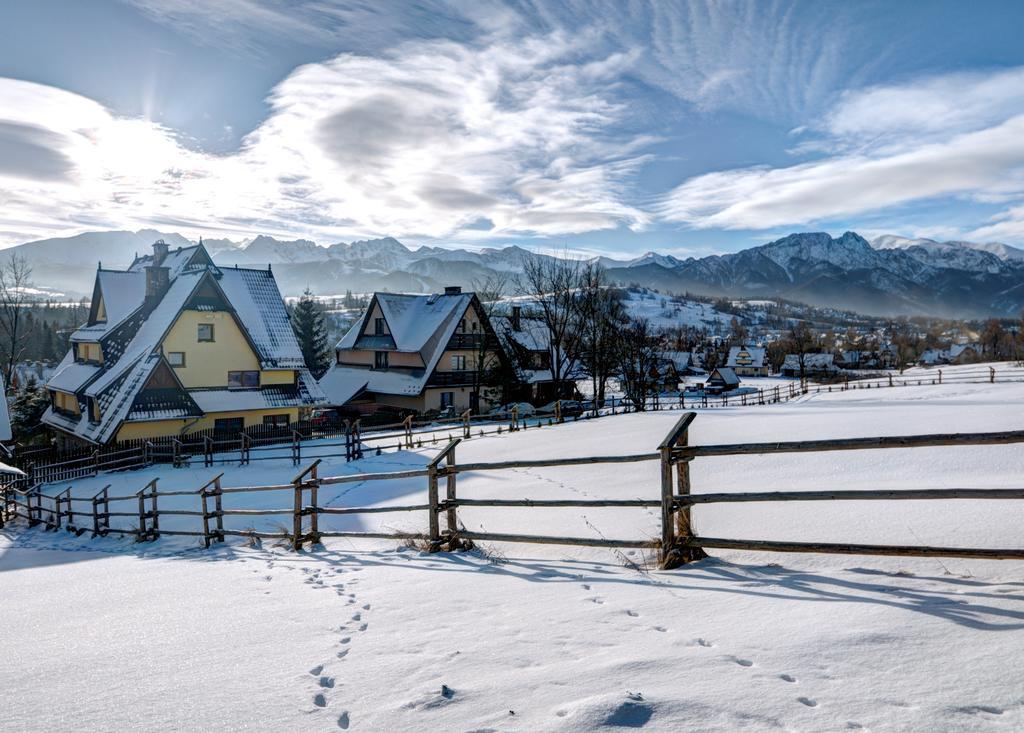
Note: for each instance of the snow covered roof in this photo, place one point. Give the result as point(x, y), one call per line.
point(532, 334)
point(746, 356)
point(412, 320)
point(306, 392)
point(122, 293)
point(811, 361)
point(421, 324)
point(682, 359)
point(726, 374)
point(259, 306)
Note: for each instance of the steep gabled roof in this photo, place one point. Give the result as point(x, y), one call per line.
point(756, 354)
point(413, 320)
point(421, 324)
point(122, 294)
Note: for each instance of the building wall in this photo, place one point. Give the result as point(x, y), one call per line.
point(430, 399)
point(371, 328)
point(163, 428)
point(207, 363)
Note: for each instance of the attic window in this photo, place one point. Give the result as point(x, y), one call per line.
point(204, 332)
point(243, 380)
point(380, 360)
point(378, 327)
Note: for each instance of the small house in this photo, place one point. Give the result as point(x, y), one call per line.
point(416, 353)
point(748, 361)
point(813, 365)
point(721, 380)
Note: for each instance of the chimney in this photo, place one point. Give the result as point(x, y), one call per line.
point(453, 290)
point(159, 251)
point(517, 311)
point(158, 279)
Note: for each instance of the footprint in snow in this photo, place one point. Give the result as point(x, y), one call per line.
point(634, 614)
point(363, 627)
point(662, 629)
point(586, 586)
point(742, 662)
point(343, 721)
point(787, 677)
point(366, 606)
point(809, 702)
point(345, 640)
point(357, 617)
point(326, 682)
point(315, 672)
point(319, 700)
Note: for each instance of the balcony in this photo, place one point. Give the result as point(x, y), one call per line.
point(472, 341)
point(460, 378)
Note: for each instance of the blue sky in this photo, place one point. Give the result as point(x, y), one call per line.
point(616, 127)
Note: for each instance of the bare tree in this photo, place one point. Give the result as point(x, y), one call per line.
point(639, 350)
point(553, 284)
point(801, 340)
point(15, 284)
point(489, 368)
point(600, 315)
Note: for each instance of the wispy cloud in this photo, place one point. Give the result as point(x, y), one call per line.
point(422, 141)
point(961, 135)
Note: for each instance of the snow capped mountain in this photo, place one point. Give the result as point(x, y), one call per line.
point(891, 275)
point(951, 251)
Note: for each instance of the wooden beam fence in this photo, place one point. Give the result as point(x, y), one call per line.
point(677, 544)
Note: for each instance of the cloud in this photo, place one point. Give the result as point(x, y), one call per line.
point(420, 142)
point(959, 135)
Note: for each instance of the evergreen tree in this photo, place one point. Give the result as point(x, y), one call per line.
point(27, 410)
point(308, 322)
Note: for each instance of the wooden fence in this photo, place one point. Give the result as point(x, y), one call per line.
point(677, 544)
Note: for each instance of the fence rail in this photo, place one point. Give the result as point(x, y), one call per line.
point(677, 544)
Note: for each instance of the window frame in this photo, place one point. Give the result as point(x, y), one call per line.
point(213, 334)
point(447, 399)
point(457, 360)
point(378, 326)
point(381, 360)
point(274, 421)
point(170, 361)
point(242, 378)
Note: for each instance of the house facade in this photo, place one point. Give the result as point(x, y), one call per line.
point(416, 353)
point(748, 361)
point(721, 380)
point(175, 345)
point(526, 340)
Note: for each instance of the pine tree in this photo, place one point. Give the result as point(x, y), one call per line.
point(27, 409)
point(308, 322)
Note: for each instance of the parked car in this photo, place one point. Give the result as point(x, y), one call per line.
point(694, 390)
point(570, 408)
point(525, 409)
point(325, 416)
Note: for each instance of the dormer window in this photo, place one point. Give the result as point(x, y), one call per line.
point(380, 360)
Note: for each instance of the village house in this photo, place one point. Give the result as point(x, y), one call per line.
point(721, 380)
point(416, 353)
point(526, 340)
point(175, 344)
point(814, 365)
point(748, 361)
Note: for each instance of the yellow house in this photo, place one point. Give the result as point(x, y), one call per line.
point(175, 345)
point(418, 353)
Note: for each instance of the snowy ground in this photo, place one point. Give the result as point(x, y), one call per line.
point(107, 635)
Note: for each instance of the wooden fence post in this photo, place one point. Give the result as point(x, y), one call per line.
point(204, 494)
point(296, 447)
point(101, 498)
point(245, 449)
point(465, 424)
point(300, 482)
point(515, 419)
point(447, 455)
point(940, 376)
point(207, 451)
point(407, 425)
point(176, 452)
point(991, 375)
point(558, 411)
point(676, 526)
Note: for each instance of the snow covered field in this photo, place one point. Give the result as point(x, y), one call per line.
point(105, 634)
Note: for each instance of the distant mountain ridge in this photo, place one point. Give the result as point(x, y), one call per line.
point(890, 275)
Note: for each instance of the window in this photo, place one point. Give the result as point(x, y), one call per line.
point(205, 332)
point(230, 425)
point(458, 363)
point(378, 326)
point(176, 358)
point(447, 399)
point(474, 326)
point(242, 380)
point(380, 360)
point(276, 421)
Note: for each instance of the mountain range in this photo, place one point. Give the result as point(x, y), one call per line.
point(888, 276)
